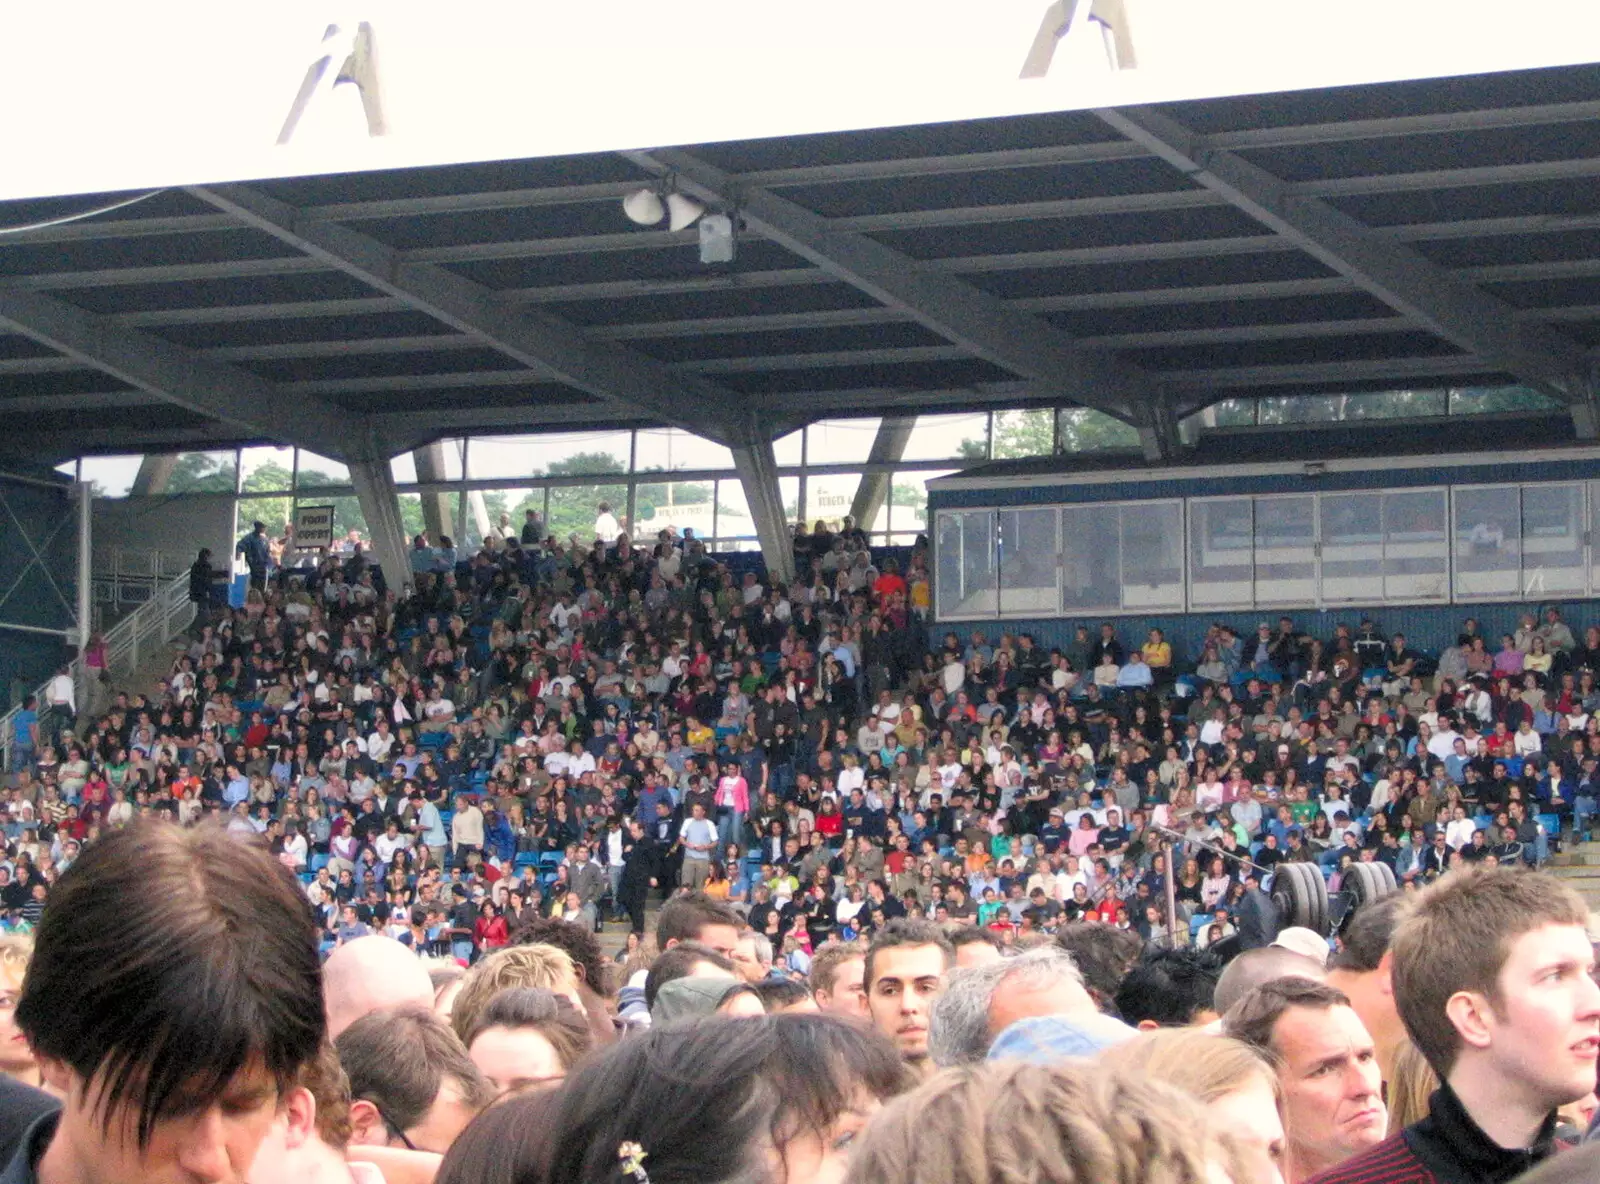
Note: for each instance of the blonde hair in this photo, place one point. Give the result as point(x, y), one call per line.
point(1456, 936)
point(1203, 1065)
point(1411, 1083)
point(1013, 1122)
point(16, 951)
point(535, 965)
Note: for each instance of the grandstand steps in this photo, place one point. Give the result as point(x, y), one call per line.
point(1579, 867)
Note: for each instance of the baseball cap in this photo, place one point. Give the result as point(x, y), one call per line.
point(1297, 939)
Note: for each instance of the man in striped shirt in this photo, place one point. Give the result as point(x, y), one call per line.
point(1493, 979)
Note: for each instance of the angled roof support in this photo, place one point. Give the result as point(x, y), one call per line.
point(1020, 342)
point(551, 348)
point(175, 373)
point(1433, 296)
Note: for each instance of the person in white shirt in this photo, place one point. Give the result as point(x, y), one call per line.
point(1443, 742)
point(1526, 742)
point(380, 745)
point(386, 844)
point(606, 526)
point(438, 714)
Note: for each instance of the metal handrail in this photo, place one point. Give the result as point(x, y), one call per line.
point(155, 622)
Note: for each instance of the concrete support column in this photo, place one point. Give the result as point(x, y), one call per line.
point(380, 505)
point(153, 475)
point(1159, 438)
point(888, 446)
point(436, 516)
point(758, 474)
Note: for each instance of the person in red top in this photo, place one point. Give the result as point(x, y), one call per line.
point(890, 583)
point(1493, 980)
point(489, 932)
point(829, 821)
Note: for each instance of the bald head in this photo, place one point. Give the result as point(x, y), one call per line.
point(1254, 967)
point(368, 974)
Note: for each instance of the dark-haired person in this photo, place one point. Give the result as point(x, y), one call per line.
point(1493, 977)
point(527, 1038)
point(715, 1101)
point(1170, 989)
point(905, 970)
point(172, 1001)
point(694, 916)
point(412, 1084)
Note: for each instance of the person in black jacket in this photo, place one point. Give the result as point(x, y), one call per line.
point(200, 577)
point(640, 871)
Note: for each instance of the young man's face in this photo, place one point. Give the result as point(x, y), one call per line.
point(1544, 1030)
point(218, 1143)
point(906, 981)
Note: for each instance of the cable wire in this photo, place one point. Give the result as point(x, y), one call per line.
point(79, 217)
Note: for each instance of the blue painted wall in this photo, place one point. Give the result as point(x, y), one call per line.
point(1429, 628)
point(27, 659)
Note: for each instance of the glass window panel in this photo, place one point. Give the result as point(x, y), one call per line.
point(274, 512)
point(840, 441)
point(909, 512)
point(1230, 413)
point(1083, 430)
point(512, 502)
point(1492, 400)
point(674, 448)
point(676, 505)
point(501, 456)
point(202, 472)
point(966, 572)
point(789, 489)
point(1027, 553)
point(559, 454)
point(1553, 530)
point(829, 497)
point(1488, 542)
point(575, 508)
point(1221, 533)
point(1415, 546)
point(734, 520)
point(1023, 433)
point(786, 450)
point(1152, 555)
point(319, 472)
point(68, 468)
point(949, 437)
point(1091, 557)
point(266, 470)
point(1286, 550)
point(1352, 547)
point(111, 476)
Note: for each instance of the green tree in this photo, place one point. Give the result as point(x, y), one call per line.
point(573, 508)
point(203, 472)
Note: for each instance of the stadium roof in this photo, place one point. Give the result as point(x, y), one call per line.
point(1146, 262)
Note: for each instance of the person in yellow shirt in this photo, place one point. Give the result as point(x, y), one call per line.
point(1157, 654)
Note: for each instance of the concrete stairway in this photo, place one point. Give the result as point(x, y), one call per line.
point(1579, 866)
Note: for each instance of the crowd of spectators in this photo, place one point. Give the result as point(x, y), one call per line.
point(955, 850)
point(547, 728)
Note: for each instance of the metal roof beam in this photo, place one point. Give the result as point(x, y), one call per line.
point(174, 373)
point(550, 347)
point(1407, 281)
point(973, 319)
